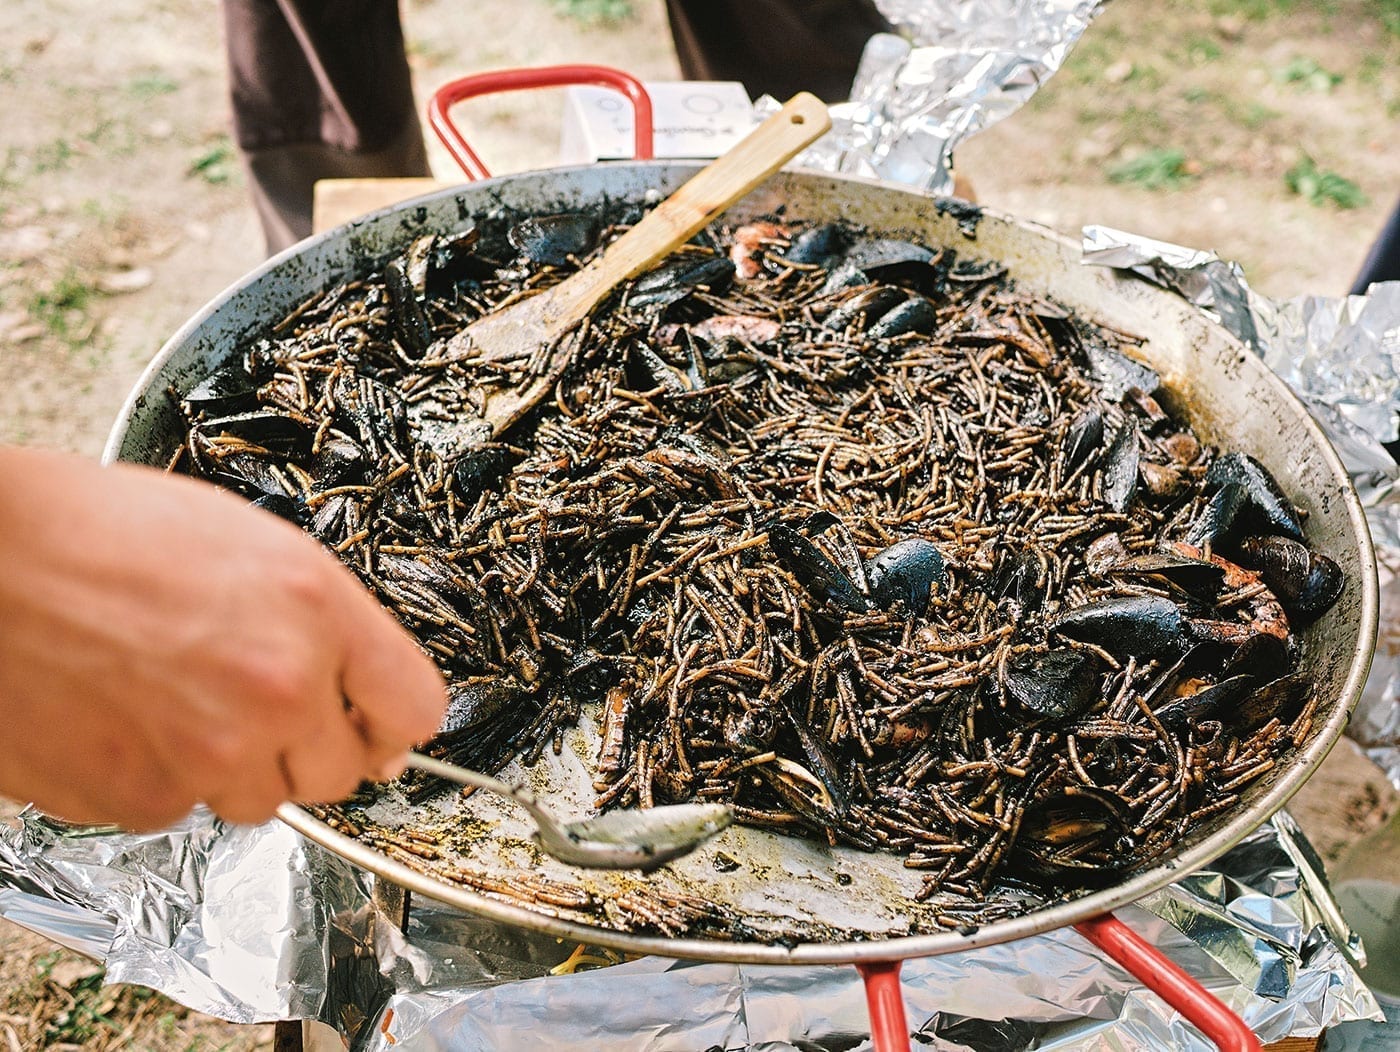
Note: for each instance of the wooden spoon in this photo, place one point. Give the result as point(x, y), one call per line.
point(528, 336)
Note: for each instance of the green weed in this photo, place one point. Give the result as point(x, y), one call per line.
point(1254, 10)
point(63, 310)
point(1201, 50)
point(1306, 73)
point(215, 165)
point(595, 12)
point(53, 156)
point(1389, 13)
point(1320, 188)
point(1160, 169)
point(151, 85)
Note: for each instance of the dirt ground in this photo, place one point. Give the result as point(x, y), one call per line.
point(123, 210)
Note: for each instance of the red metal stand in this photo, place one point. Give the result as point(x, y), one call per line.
point(522, 79)
point(889, 1029)
point(1152, 968)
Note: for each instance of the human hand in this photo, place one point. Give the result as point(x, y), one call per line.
point(162, 643)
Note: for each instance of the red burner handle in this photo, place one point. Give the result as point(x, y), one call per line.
point(889, 1031)
point(521, 79)
point(1152, 968)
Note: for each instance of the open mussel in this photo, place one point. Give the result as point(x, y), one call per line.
point(1305, 581)
point(814, 571)
point(1060, 684)
point(1261, 504)
point(1082, 439)
point(224, 392)
point(1076, 837)
point(674, 281)
point(554, 241)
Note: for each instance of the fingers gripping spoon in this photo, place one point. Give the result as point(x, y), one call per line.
point(527, 337)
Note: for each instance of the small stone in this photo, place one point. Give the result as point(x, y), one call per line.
point(122, 281)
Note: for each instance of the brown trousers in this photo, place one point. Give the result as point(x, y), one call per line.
point(320, 89)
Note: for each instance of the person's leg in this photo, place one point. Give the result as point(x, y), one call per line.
point(775, 47)
point(1383, 261)
point(320, 89)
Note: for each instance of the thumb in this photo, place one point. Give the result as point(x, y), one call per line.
point(394, 691)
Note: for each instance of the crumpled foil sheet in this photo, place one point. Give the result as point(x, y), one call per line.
point(255, 924)
point(954, 68)
point(1341, 356)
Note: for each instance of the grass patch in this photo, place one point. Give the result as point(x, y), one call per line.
point(152, 85)
point(215, 165)
point(1388, 11)
point(1321, 188)
point(1308, 74)
point(595, 12)
point(1254, 10)
point(62, 308)
point(1165, 168)
point(1200, 50)
point(53, 156)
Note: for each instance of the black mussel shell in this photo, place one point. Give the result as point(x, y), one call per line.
point(1200, 578)
point(1264, 656)
point(907, 571)
point(1220, 517)
point(293, 509)
point(1117, 374)
point(868, 304)
point(1137, 625)
point(1265, 497)
point(1082, 439)
point(272, 430)
point(1281, 698)
point(871, 255)
point(482, 713)
point(819, 243)
point(411, 324)
point(1023, 577)
point(1055, 684)
point(230, 389)
point(550, 241)
point(1073, 838)
point(845, 276)
point(814, 571)
point(339, 462)
point(1214, 699)
point(899, 262)
point(480, 469)
point(1306, 582)
point(672, 282)
point(915, 314)
point(1120, 468)
point(753, 730)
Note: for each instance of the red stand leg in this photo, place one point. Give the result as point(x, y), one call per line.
point(1170, 983)
point(889, 1031)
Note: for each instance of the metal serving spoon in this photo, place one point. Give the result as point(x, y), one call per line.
point(618, 840)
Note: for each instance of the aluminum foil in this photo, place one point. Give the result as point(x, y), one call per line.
point(1341, 356)
point(255, 924)
point(954, 68)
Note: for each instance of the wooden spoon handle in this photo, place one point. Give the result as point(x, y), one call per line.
point(800, 122)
